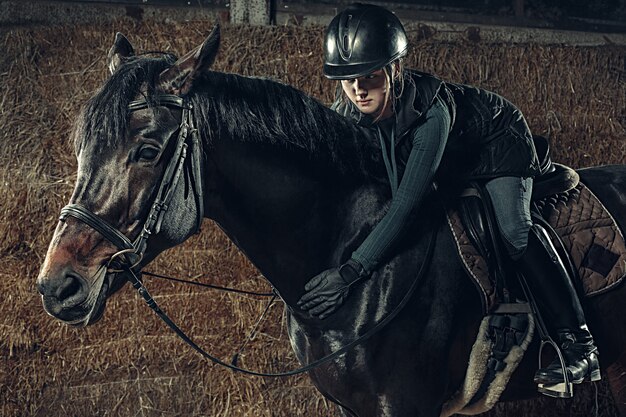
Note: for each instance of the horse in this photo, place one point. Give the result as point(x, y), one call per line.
point(296, 187)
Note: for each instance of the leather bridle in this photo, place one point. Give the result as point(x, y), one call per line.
point(130, 254)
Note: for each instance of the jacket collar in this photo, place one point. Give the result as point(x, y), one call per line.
point(406, 109)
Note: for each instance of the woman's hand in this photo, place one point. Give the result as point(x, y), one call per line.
point(327, 291)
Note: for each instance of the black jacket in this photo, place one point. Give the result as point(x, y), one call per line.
point(488, 138)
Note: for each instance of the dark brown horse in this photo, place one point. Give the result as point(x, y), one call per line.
point(297, 188)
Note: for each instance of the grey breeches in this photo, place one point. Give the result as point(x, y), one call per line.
point(510, 197)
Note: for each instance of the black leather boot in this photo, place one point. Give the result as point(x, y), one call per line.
point(560, 307)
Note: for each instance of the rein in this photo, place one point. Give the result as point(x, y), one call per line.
point(213, 287)
point(131, 253)
point(136, 282)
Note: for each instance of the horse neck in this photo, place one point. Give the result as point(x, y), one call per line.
point(276, 201)
point(277, 215)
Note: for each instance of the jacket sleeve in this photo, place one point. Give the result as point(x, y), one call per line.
point(429, 142)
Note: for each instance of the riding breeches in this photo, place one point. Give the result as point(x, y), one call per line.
point(510, 197)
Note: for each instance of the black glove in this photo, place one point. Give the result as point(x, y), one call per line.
point(327, 291)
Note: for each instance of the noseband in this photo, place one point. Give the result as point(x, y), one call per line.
point(131, 253)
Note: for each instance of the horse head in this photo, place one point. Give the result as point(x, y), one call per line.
point(131, 158)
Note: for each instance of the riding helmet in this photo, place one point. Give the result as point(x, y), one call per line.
point(361, 39)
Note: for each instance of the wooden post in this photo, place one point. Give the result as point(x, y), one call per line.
point(253, 12)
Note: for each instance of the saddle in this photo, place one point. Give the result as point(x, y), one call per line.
point(588, 241)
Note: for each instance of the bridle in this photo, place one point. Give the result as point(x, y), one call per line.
point(130, 254)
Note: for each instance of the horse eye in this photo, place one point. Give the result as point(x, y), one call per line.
point(148, 153)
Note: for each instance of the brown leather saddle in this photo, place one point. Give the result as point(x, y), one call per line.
point(588, 240)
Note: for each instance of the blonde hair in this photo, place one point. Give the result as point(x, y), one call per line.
point(388, 89)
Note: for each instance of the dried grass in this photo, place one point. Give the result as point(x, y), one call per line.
point(130, 364)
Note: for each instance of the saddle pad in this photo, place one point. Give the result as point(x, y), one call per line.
point(587, 230)
point(590, 235)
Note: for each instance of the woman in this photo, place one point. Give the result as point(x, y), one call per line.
point(428, 128)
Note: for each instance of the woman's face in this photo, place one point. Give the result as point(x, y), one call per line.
point(368, 93)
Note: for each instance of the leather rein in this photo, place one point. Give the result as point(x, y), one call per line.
point(131, 253)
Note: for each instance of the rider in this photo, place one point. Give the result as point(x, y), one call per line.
point(429, 128)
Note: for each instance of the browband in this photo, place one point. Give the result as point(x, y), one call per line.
point(166, 100)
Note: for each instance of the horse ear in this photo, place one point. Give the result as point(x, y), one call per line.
point(120, 50)
point(179, 78)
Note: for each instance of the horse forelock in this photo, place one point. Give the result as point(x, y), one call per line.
point(265, 111)
point(104, 118)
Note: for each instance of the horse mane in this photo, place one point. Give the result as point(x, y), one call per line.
point(261, 110)
point(248, 109)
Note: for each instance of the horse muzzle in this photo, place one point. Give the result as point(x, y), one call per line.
point(68, 297)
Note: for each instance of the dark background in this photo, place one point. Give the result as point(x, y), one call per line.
point(553, 10)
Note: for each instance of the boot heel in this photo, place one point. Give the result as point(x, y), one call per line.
point(594, 367)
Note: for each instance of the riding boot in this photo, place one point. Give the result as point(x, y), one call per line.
point(560, 307)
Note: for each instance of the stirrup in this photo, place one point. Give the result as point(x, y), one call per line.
point(563, 389)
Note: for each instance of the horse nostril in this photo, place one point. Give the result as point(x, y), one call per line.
point(70, 286)
point(61, 288)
